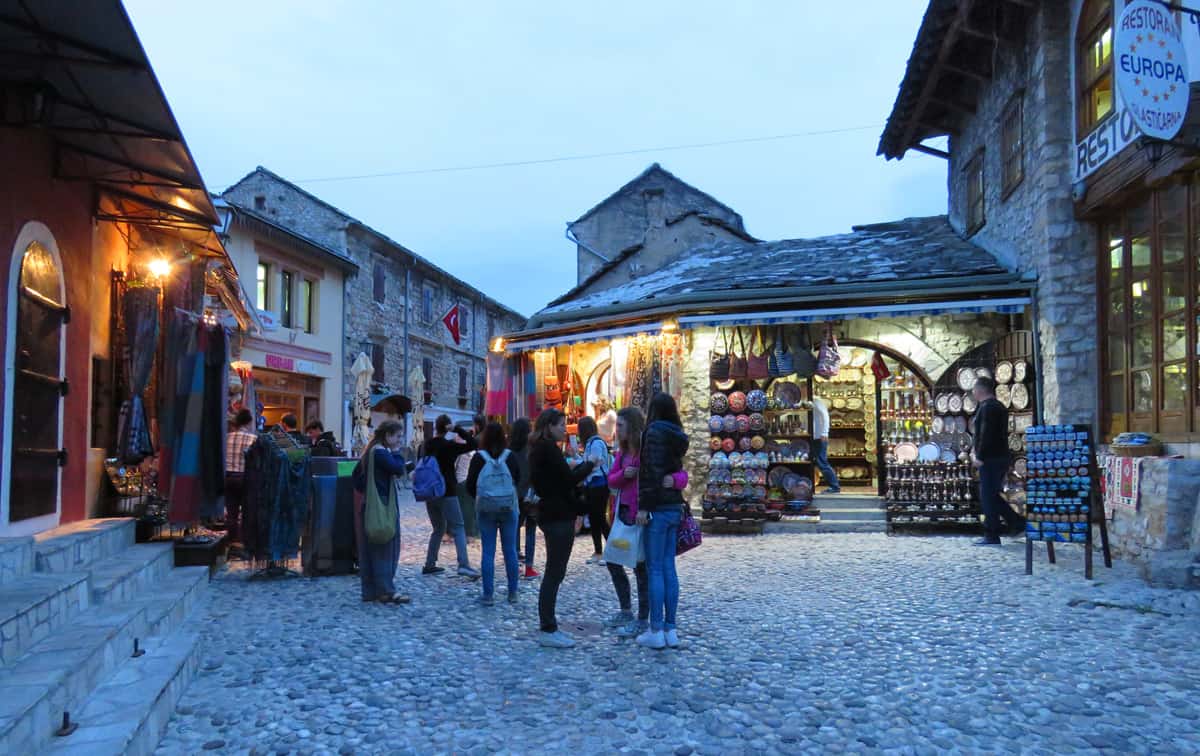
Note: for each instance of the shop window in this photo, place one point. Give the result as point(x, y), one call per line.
point(1012, 144)
point(262, 289)
point(305, 305)
point(377, 363)
point(1093, 65)
point(426, 304)
point(286, 285)
point(974, 179)
point(380, 280)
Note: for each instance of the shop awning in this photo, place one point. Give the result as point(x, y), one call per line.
point(1009, 305)
point(525, 345)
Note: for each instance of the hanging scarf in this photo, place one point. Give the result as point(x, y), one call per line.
point(140, 312)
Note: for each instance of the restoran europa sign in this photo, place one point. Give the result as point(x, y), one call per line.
point(1151, 68)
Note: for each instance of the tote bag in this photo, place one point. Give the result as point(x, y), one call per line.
point(757, 364)
point(718, 364)
point(738, 365)
point(805, 360)
point(379, 516)
point(626, 544)
point(829, 361)
point(689, 536)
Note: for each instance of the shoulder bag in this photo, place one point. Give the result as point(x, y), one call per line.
point(738, 367)
point(829, 361)
point(780, 362)
point(757, 366)
point(718, 362)
point(805, 360)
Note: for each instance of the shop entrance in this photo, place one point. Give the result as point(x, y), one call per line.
point(288, 394)
point(37, 316)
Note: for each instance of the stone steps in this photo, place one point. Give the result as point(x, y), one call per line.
point(840, 513)
point(76, 547)
point(35, 606)
point(16, 559)
point(827, 526)
point(123, 577)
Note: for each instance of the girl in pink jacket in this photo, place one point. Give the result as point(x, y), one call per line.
point(623, 480)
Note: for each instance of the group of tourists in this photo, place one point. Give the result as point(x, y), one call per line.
point(524, 478)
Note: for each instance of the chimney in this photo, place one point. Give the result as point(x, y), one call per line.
point(656, 209)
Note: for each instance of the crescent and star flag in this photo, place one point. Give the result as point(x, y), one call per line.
point(451, 321)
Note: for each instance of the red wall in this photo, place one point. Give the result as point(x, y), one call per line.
point(29, 192)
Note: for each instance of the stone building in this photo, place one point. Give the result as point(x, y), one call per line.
point(394, 305)
point(1045, 171)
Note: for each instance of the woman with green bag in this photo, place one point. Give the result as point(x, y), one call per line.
point(377, 514)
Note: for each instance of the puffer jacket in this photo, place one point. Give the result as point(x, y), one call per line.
point(663, 448)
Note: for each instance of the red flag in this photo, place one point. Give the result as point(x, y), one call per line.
point(451, 321)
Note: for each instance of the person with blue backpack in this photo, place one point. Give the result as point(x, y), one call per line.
point(492, 484)
point(435, 484)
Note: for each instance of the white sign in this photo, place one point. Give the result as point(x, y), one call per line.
point(269, 321)
point(1150, 67)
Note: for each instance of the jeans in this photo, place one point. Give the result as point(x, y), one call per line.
point(506, 524)
point(994, 506)
point(661, 536)
point(560, 538)
point(466, 504)
point(444, 513)
point(621, 583)
point(530, 523)
point(596, 499)
point(820, 455)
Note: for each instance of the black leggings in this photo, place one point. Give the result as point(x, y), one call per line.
point(560, 537)
point(597, 512)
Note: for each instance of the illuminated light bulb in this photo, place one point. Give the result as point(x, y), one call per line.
point(160, 268)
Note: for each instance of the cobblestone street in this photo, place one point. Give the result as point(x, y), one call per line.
point(791, 643)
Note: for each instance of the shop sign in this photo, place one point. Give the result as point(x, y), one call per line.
point(1150, 67)
point(278, 362)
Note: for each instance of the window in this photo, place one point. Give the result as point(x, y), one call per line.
point(491, 327)
point(377, 363)
point(427, 371)
point(426, 304)
point(974, 179)
point(262, 291)
point(260, 202)
point(305, 305)
point(462, 382)
point(1150, 313)
point(286, 279)
point(1093, 65)
point(380, 273)
point(464, 320)
point(1012, 144)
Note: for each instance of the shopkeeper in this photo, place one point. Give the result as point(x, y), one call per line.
point(820, 445)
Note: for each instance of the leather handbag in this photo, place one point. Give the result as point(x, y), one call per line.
point(829, 361)
point(738, 366)
point(718, 363)
point(780, 362)
point(757, 365)
point(803, 358)
point(689, 535)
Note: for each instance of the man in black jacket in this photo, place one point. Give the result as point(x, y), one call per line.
point(990, 455)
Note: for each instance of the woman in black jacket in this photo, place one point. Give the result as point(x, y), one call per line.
point(554, 482)
point(661, 505)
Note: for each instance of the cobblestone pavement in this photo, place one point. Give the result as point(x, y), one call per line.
point(791, 643)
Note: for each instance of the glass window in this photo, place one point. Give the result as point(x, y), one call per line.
point(1143, 392)
point(1175, 387)
point(377, 363)
point(304, 313)
point(1012, 144)
point(427, 304)
point(262, 287)
point(462, 381)
point(464, 320)
point(1093, 67)
point(427, 370)
point(975, 192)
point(286, 280)
point(380, 283)
point(1174, 338)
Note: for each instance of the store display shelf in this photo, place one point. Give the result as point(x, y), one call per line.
point(893, 512)
point(856, 428)
point(783, 435)
point(714, 514)
point(852, 457)
point(805, 463)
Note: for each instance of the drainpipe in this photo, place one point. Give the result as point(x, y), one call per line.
point(572, 238)
point(407, 310)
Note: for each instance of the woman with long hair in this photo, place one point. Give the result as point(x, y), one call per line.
point(377, 562)
point(595, 487)
point(445, 513)
point(554, 482)
point(518, 443)
point(623, 479)
point(496, 508)
point(660, 505)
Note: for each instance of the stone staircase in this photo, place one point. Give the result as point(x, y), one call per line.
point(73, 601)
point(840, 513)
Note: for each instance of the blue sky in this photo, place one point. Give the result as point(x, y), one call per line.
point(318, 89)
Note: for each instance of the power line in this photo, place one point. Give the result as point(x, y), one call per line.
point(589, 156)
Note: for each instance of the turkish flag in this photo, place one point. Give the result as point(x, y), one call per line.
point(451, 321)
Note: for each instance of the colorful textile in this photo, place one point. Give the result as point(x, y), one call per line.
point(1122, 481)
point(189, 419)
point(140, 313)
point(498, 387)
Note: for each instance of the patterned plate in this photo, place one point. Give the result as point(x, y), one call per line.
point(786, 392)
point(955, 404)
point(718, 403)
point(1019, 371)
point(966, 379)
point(1004, 394)
point(943, 403)
point(737, 402)
point(1020, 396)
point(968, 402)
point(1004, 372)
point(756, 400)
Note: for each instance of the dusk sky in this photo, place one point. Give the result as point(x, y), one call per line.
point(320, 90)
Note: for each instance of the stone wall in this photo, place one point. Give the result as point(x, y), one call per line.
point(1163, 536)
point(1034, 229)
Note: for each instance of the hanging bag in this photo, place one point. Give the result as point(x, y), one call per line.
point(626, 544)
point(780, 362)
point(689, 533)
point(379, 516)
point(829, 361)
point(718, 365)
point(757, 366)
point(805, 360)
point(738, 367)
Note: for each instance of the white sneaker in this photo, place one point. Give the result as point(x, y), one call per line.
point(672, 638)
point(652, 639)
point(557, 639)
point(469, 572)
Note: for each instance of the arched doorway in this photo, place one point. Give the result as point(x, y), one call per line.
point(34, 384)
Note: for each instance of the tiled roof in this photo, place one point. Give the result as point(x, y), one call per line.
point(909, 250)
point(702, 201)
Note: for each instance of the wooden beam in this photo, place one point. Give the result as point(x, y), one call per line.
point(918, 147)
point(960, 18)
point(958, 107)
point(978, 76)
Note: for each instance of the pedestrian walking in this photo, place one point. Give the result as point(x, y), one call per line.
point(660, 505)
point(554, 482)
point(444, 514)
point(820, 445)
point(990, 455)
point(492, 483)
point(380, 465)
point(519, 445)
point(595, 488)
point(241, 438)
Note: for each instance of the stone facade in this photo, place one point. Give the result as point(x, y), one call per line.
point(1163, 536)
point(394, 306)
point(1033, 227)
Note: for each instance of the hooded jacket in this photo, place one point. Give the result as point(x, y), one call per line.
point(663, 448)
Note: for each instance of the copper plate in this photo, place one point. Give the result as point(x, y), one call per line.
point(1020, 396)
point(1004, 372)
point(1004, 394)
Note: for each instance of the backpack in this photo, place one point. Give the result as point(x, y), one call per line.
point(428, 483)
point(495, 491)
point(599, 477)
